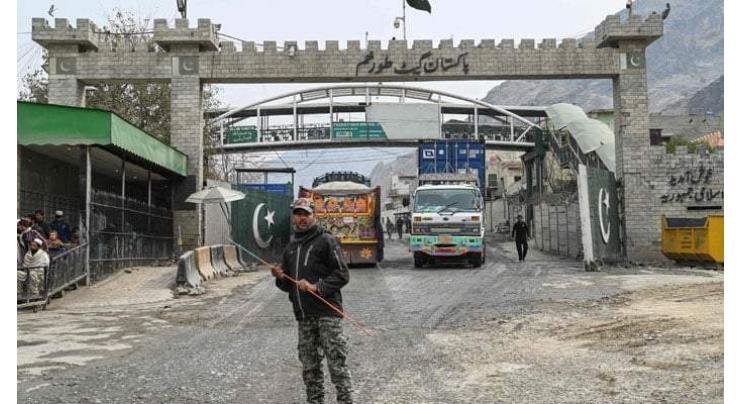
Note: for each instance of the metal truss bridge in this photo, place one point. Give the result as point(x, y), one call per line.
point(509, 127)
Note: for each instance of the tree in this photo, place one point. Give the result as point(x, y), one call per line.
point(146, 105)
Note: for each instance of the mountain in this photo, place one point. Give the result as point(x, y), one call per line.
point(686, 60)
point(383, 171)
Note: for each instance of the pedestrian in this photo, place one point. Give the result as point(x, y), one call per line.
point(61, 227)
point(41, 225)
point(26, 234)
point(314, 259)
point(35, 262)
point(399, 227)
point(54, 244)
point(520, 232)
point(389, 228)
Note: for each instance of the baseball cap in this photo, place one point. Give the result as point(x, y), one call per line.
point(303, 203)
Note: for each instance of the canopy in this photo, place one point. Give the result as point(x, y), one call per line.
point(48, 124)
point(591, 135)
point(560, 114)
point(215, 195)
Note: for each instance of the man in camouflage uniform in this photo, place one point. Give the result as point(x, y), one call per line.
point(313, 258)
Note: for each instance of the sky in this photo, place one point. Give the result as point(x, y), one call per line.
point(341, 20)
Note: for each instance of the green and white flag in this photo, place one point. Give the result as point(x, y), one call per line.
point(420, 5)
point(261, 222)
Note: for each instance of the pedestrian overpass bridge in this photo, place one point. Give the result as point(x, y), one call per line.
point(411, 115)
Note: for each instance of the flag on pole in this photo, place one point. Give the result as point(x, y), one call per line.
point(420, 5)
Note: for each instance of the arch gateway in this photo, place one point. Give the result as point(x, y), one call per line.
point(188, 57)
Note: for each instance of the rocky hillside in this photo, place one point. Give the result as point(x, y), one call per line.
point(382, 172)
point(684, 66)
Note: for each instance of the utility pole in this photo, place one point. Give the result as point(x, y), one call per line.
point(404, 19)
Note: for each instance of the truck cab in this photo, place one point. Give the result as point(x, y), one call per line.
point(447, 221)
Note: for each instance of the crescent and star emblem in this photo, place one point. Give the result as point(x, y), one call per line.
point(66, 65)
point(188, 66)
point(256, 228)
point(636, 60)
point(604, 201)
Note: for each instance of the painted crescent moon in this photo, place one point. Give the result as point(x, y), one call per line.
point(188, 66)
point(635, 60)
point(63, 66)
point(256, 228)
point(604, 232)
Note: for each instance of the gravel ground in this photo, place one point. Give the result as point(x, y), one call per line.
point(542, 331)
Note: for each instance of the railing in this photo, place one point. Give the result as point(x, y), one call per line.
point(26, 296)
point(110, 251)
point(64, 270)
point(67, 269)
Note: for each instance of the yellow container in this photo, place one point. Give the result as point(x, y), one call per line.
point(699, 240)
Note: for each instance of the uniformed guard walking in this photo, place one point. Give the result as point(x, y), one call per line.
point(313, 258)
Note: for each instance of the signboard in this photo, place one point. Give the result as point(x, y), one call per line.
point(285, 189)
point(241, 134)
point(357, 131)
point(406, 121)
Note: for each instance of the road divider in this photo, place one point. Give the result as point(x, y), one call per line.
point(203, 263)
point(232, 260)
point(218, 261)
point(187, 273)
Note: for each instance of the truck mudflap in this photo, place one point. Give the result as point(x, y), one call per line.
point(446, 246)
point(361, 254)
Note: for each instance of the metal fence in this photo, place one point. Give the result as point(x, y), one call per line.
point(36, 284)
point(30, 278)
point(29, 201)
point(67, 269)
point(125, 233)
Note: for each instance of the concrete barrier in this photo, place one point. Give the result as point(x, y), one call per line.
point(230, 256)
point(203, 263)
point(218, 261)
point(187, 272)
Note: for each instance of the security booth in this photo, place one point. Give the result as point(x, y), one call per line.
point(113, 182)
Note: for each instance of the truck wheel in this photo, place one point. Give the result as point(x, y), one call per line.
point(476, 260)
point(418, 260)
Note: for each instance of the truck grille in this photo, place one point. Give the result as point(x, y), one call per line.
point(452, 228)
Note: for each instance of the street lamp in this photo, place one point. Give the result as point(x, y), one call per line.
point(397, 22)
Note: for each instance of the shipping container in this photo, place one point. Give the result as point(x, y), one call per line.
point(453, 156)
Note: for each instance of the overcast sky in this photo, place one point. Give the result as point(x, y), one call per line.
point(340, 20)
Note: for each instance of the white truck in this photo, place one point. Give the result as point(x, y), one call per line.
point(447, 219)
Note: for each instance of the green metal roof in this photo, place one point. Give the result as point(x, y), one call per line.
point(48, 124)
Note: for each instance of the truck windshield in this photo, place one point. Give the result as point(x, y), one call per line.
point(449, 200)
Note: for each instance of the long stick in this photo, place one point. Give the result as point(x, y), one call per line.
point(321, 299)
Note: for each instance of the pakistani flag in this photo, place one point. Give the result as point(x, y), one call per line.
point(261, 223)
point(420, 5)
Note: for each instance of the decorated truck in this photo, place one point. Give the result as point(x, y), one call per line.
point(348, 208)
point(447, 211)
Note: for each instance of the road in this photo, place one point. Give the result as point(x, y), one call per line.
point(540, 331)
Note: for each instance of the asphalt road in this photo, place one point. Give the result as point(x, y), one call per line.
point(240, 346)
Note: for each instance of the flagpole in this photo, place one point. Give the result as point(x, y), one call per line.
point(404, 19)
